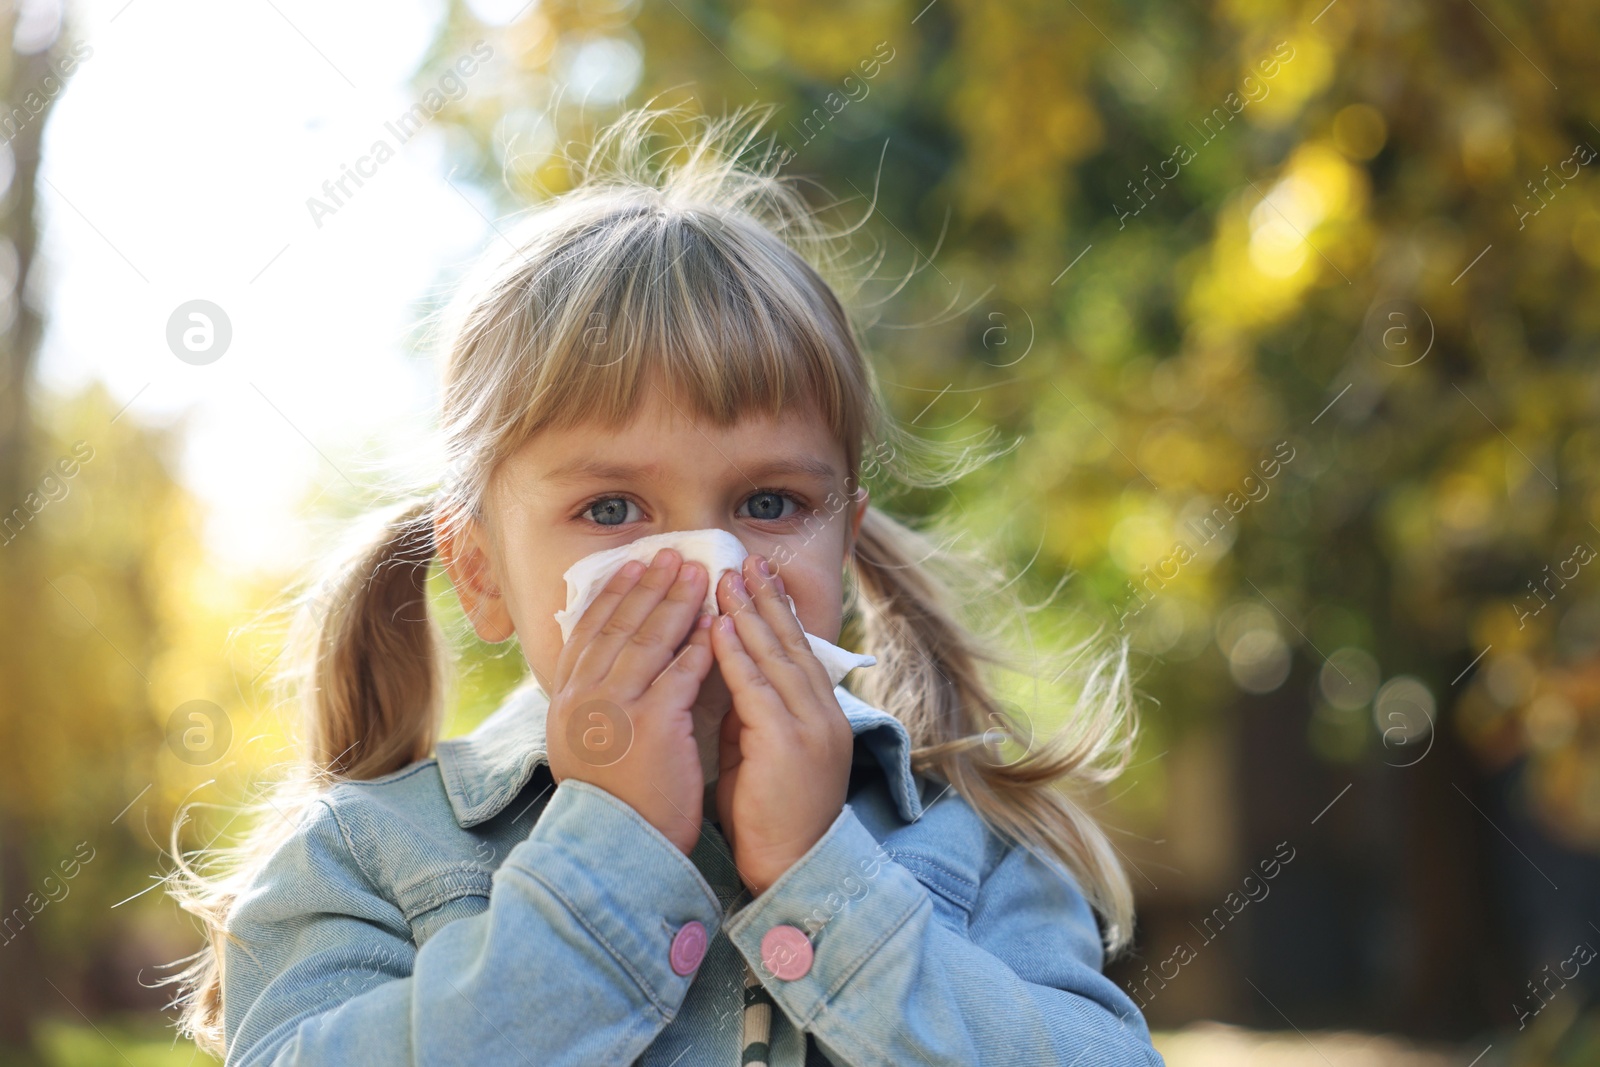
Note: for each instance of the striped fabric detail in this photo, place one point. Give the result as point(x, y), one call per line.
point(758, 1008)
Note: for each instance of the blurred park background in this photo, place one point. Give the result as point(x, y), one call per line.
point(1293, 307)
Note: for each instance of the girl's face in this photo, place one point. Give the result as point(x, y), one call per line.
point(568, 493)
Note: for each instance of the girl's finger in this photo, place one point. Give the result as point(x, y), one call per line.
point(778, 669)
point(624, 655)
point(680, 680)
point(791, 666)
point(596, 616)
point(778, 610)
point(593, 618)
point(759, 702)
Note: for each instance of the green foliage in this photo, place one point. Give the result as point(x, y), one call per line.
point(132, 1041)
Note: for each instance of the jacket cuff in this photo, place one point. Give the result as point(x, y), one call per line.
point(847, 896)
point(623, 880)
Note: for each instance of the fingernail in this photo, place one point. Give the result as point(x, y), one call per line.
point(763, 568)
point(738, 588)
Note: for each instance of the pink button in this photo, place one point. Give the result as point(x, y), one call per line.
point(688, 947)
point(786, 952)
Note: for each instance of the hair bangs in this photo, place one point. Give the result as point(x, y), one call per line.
point(705, 306)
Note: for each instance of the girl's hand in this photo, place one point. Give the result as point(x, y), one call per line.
point(786, 744)
point(625, 681)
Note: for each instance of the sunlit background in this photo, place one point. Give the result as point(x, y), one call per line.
point(1292, 309)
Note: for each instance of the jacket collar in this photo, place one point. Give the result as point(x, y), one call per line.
point(484, 770)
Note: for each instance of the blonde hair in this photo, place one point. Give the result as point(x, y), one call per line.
point(688, 264)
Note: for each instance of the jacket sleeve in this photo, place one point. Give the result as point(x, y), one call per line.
point(891, 981)
point(568, 964)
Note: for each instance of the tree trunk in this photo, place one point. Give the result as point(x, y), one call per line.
point(21, 998)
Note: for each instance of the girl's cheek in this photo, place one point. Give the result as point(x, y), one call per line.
point(809, 593)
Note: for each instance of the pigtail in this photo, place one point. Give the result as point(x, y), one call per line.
point(366, 664)
point(375, 700)
point(930, 676)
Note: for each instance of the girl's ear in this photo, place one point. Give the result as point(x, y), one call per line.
point(465, 552)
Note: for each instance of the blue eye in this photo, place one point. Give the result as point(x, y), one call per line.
point(767, 505)
point(608, 510)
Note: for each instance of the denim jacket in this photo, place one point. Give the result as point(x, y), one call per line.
point(466, 909)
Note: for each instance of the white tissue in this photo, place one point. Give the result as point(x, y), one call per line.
point(718, 551)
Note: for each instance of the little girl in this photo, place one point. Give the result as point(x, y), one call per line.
point(678, 842)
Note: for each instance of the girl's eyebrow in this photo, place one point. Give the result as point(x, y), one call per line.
point(600, 470)
point(802, 465)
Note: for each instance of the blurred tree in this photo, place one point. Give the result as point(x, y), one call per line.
point(22, 74)
point(108, 624)
point(104, 635)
